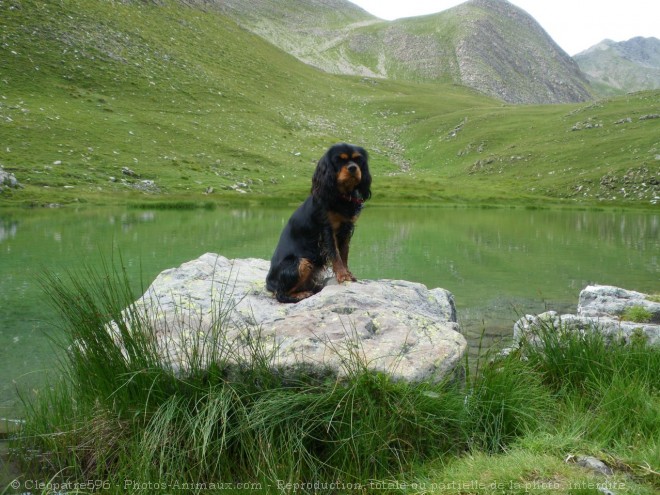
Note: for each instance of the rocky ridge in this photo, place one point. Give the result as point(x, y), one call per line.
point(619, 67)
point(489, 45)
point(504, 52)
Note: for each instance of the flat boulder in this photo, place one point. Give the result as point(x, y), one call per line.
point(612, 302)
point(393, 326)
point(604, 308)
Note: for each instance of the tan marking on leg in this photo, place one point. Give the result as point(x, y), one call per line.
point(306, 273)
point(340, 258)
point(305, 269)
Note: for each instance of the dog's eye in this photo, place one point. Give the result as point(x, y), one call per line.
point(354, 157)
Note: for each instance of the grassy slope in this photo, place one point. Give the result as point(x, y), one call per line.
point(388, 49)
point(532, 151)
point(189, 100)
point(174, 94)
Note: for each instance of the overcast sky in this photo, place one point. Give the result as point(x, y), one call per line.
point(574, 24)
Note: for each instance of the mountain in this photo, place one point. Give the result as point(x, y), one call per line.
point(171, 103)
point(489, 45)
point(619, 67)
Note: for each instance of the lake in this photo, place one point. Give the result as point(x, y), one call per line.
point(498, 263)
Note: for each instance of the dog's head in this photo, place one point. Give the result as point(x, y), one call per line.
point(342, 170)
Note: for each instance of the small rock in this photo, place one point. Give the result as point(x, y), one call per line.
point(127, 171)
point(148, 186)
point(608, 301)
point(593, 464)
point(8, 180)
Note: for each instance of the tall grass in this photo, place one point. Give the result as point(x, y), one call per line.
point(617, 384)
point(118, 411)
point(507, 400)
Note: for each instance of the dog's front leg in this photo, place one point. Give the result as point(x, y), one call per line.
point(337, 237)
point(343, 238)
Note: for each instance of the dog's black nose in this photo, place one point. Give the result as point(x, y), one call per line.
point(352, 168)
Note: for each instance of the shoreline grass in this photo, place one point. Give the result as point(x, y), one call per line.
point(118, 415)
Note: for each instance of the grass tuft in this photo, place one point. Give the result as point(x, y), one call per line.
point(637, 314)
point(507, 401)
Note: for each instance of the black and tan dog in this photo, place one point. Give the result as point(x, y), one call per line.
point(319, 231)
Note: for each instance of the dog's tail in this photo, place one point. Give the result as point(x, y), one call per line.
point(274, 285)
point(293, 279)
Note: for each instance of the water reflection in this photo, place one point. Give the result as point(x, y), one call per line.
point(497, 263)
point(8, 229)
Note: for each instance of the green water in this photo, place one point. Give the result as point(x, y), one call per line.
point(497, 262)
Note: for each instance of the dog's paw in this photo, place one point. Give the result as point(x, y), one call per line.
point(345, 277)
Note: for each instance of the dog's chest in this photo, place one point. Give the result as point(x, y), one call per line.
point(338, 221)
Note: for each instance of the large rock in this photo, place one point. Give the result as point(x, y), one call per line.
point(607, 301)
point(600, 307)
point(393, 326)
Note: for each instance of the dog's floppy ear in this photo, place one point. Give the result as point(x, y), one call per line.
point(364, 188)
point(324, 185)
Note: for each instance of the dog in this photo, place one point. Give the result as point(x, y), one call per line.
point(319, 232)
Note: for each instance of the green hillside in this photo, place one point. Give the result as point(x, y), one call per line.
point(195, 109)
